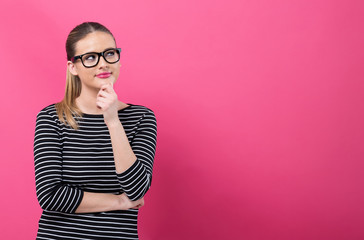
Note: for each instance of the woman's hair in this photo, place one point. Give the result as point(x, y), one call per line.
point(67, 108)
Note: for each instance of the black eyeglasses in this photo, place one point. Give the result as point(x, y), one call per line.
point(91, 59)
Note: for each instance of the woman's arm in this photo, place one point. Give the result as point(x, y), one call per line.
point(137, 179)
point(124, 156)
point(52, 193)
point(134, 163)
point(102, 202)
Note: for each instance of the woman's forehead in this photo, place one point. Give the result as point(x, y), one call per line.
point(95, 42)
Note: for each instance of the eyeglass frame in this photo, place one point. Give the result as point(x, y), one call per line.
point(73, 59)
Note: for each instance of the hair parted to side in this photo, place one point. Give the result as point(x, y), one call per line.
point(67, 108)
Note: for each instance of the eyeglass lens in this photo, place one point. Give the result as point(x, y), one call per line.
point(91, 59)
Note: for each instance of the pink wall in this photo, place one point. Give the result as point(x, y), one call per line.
point(259, 106)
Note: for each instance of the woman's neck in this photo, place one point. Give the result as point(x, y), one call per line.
point(86, 102)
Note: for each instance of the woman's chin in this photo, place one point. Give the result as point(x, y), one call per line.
point(103, 81)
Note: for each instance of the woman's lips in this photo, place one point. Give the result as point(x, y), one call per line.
point(103, 75)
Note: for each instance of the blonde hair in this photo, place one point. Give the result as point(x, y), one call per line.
point(67, 109)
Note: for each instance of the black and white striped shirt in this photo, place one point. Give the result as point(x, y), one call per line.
point(69, 162)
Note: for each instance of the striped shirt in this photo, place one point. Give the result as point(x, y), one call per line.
point(68, 162)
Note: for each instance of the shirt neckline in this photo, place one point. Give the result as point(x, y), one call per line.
point(98, 115)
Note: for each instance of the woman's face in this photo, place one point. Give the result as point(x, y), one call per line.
point(90, 77)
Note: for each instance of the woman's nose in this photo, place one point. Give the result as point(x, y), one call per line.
point(102, 62)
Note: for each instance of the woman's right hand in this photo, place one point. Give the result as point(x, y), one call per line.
point(125, 203)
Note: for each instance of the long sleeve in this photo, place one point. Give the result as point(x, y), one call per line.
point(136, 180)
point(52, 193)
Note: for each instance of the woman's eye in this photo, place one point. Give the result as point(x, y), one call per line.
point(111, 53)
point(90, 57)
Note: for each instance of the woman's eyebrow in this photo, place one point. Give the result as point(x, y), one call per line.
point(109, 48)
point(96, 51)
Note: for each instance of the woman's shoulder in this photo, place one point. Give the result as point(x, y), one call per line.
point(49, 110)
point(47, 118)
point(139, 112)
point(142, 114)
point(135, 108)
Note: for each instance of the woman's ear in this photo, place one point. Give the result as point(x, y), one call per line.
point(72, 68)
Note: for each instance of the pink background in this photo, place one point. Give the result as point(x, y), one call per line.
point(259, 106)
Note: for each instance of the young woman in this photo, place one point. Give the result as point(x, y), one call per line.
point(93, 153)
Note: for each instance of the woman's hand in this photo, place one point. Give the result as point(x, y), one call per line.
point(101, 202)
point(107, 101)
point(125, 203)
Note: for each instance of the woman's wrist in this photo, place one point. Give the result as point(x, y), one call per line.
point(120, 205)
point(124, 202)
